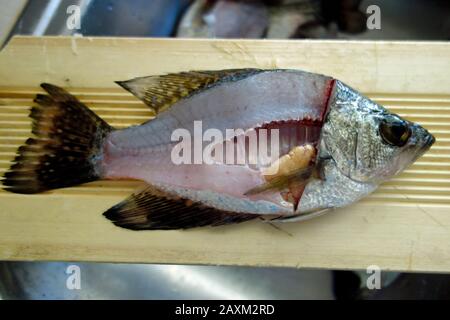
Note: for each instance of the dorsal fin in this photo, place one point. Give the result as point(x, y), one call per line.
point(152, 209)
point(160, 92)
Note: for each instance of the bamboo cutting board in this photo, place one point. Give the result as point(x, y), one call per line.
point(405, 225)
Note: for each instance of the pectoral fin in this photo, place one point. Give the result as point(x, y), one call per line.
point(300, 176)
point(290, 172)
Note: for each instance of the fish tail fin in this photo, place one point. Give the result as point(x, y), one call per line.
point(66, 149)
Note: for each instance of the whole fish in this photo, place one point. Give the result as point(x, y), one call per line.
point(326, 146)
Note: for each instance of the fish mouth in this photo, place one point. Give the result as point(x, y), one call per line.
point(429, 141)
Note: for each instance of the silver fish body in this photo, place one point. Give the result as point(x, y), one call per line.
point(359, 144)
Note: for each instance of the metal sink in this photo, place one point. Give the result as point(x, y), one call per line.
point(48, 280)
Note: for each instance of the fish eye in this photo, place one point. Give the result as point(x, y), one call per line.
point(395, 132)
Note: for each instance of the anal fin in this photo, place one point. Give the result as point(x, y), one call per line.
point(152, 209)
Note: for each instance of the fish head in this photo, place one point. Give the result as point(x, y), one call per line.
point(366, 141)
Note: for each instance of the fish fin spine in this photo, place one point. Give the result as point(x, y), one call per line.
point(66, 147)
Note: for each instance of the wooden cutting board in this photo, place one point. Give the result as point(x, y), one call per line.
point(405, 225)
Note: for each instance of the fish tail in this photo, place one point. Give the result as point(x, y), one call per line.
point(66, 149)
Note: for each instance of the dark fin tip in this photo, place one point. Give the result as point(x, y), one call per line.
point(123, 84)
point(68, 136)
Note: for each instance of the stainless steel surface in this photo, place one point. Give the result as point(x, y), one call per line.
point(47, 280)
point(47, 17)
point(101, 17)
point(401, 20)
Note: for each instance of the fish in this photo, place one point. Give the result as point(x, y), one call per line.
point(319, 143)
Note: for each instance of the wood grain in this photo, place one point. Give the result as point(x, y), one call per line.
point(405, 225)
